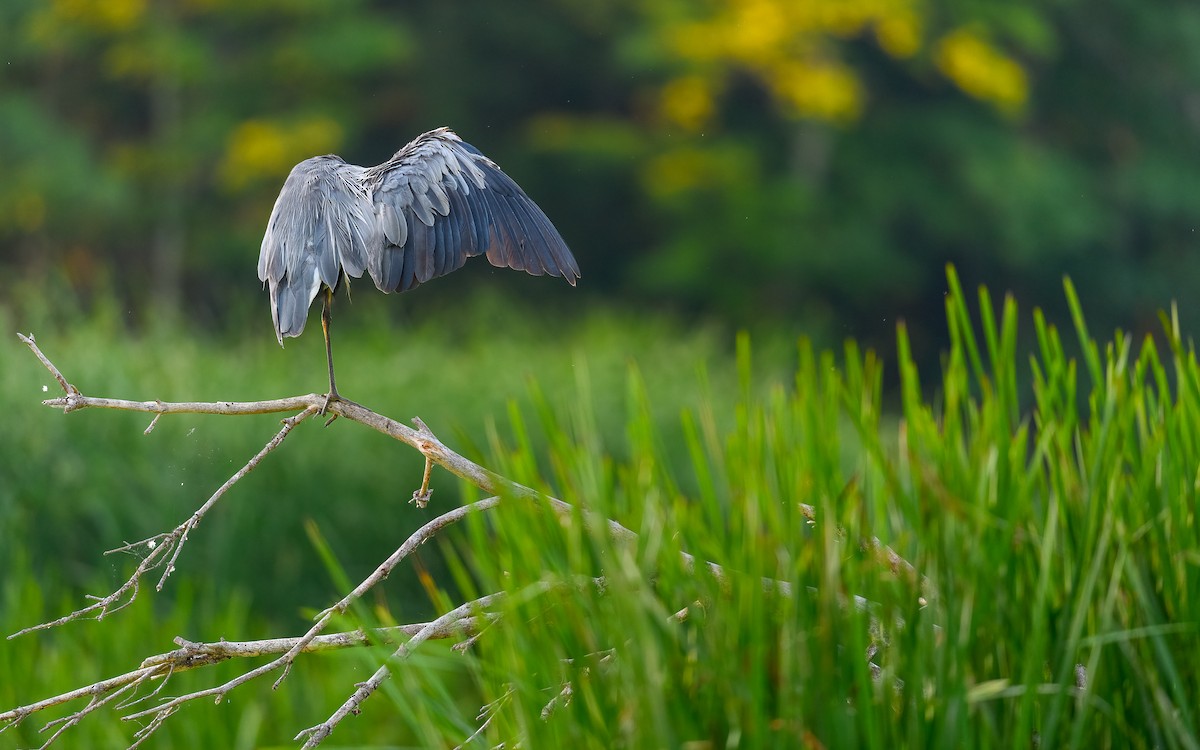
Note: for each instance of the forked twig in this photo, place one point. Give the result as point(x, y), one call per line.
point(164, 549)
point(28, 341)
point(191, 655)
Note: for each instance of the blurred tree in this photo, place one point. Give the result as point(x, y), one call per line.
point(823, 160)
point(813, 163)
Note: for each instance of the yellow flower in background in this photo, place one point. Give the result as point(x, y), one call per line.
point(899, 35)
point(258, 149)
point(820, 90)
point(786, 44)
point(982, 71)
point(46, 21)
point(696, 42)
point(845, 18)
point(688, 102)
point(756, 31)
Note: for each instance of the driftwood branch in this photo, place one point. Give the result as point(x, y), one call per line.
point(162, 551)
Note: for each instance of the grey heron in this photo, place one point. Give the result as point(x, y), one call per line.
point(419, 215)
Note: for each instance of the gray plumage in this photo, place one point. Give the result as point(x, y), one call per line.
point(419, 215)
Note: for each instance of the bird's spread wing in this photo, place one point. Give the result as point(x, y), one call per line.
point(439, 201)
point(322, 225)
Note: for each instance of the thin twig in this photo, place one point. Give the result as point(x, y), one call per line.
point(421, 497)
point(14, 716)
point(96, 702)
point(490, 711)
point(561, 699)
point(28, 341)
point(165, 548)
point(191, 655)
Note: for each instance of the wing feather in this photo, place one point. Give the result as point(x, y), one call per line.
point(455, 203)
point(420, 253)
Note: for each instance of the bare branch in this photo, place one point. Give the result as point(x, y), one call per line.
point(96, 702)
point(28, 341)
point(77, 401)
point(423, 440)
point(14, 716)
point(191, 655)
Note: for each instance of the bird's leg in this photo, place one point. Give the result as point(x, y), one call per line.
point(326, 313)
point(421, 496)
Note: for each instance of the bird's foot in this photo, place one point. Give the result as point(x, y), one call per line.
point(420, 498)
point(329, 399)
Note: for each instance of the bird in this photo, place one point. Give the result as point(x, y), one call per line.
point(419, 215)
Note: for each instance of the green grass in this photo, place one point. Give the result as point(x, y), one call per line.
point(1044, 536)
point(1047, 504)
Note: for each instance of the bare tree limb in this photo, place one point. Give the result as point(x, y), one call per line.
point(96, 702)
point(14, 716)
point(192, 655)
point(422, 439)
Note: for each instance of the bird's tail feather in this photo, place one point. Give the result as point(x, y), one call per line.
point(290, 303)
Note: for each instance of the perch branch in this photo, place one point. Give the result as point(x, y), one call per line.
point(422, 439)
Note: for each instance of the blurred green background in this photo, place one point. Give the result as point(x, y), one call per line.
point(784, 166)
